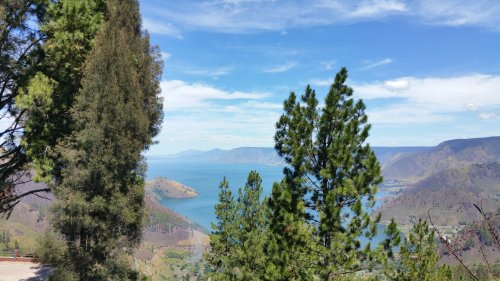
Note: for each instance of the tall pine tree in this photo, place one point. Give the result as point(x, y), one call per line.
point(100, 196)
point(223, 238)
point(418, 258)
point(332, 175)
point(237, 240)
point(69, 28)
point(250, 258)
point(19, 58)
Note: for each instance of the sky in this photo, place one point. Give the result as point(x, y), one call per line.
point(428, 71)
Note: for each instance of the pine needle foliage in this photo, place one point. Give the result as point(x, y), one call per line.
point(332, 176)
point(418, 258)
point(69, 27)
point(237, 240)
point(100, 197)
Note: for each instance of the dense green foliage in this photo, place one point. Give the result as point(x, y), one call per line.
point(237, 240)
point(19, 58)
point(418, 258)
point(332, 175)
point(100, 196)
point(312, 225)
point(69, 28)
point(40, 74)
point(50, 248)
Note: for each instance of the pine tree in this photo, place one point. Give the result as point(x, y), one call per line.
point(288, 245)
point(418, 257)
point(38, 87)
point(99, 206)
point(19, 58)
point(250, 259)
point(69, 28)
point(332, 174)
point(223, 237)
point(237, 240)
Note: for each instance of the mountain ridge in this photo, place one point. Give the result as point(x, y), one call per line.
point(268, 155)
point(450, 194)
point(449, 154)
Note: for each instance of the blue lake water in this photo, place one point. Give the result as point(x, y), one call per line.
point(205, 177)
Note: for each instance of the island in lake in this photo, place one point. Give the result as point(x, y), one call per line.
point(161, 188)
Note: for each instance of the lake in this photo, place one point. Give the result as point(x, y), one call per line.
point(205, 177)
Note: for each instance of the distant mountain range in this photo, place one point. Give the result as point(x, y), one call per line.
point(447, 179)
point(449, 194)
point(413, 167)
point(256, 155)
point(268, 155)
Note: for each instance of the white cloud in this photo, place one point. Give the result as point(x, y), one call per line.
point(320, 82)
point(406, 113)
point(378, 8)
point(397, 85)
point(378, 63)
point(461, 12)
point(249, 16)
point(280, 68)
point(203, 117)
point(179, 95)
point(472, 106)
point(487, 115)
point(327, 65)
point(162, 27)
point(166, 56)
point(200, 71)
point(432, 99)
point(243, 16)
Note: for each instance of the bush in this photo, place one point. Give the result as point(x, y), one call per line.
point(50, 248)
point(175, 255)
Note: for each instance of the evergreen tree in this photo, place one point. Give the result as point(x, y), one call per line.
point(40, 74)
point(250, 259)
point(418, 258)
point(332, 176)
point(99, 206)
point(69, 28)
point(223, 237)
point(19, 58)
point(288, 246)
point(237, 240)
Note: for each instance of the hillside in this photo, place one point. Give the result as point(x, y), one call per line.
point(268, 155)
point(475, 238)
point(165, 231)
point(160, 188)
point(450, 193)
point(411, 168)
point(256, 155)
point(386, 154)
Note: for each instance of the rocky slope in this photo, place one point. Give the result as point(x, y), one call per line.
point(164, 230)
point(411, 168)
point(165, 188)
point(268, 155)
point(449, 194)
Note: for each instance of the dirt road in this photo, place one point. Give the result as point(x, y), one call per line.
point(23, 271)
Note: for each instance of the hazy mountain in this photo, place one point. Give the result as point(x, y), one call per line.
point(257, 155)
point(451, 154)
point(450, 194)
point(268, 156)
point(387, 154)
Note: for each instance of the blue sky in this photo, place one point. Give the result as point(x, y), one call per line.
point(428, 71)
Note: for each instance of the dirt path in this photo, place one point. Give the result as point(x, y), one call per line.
point(23, 271)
